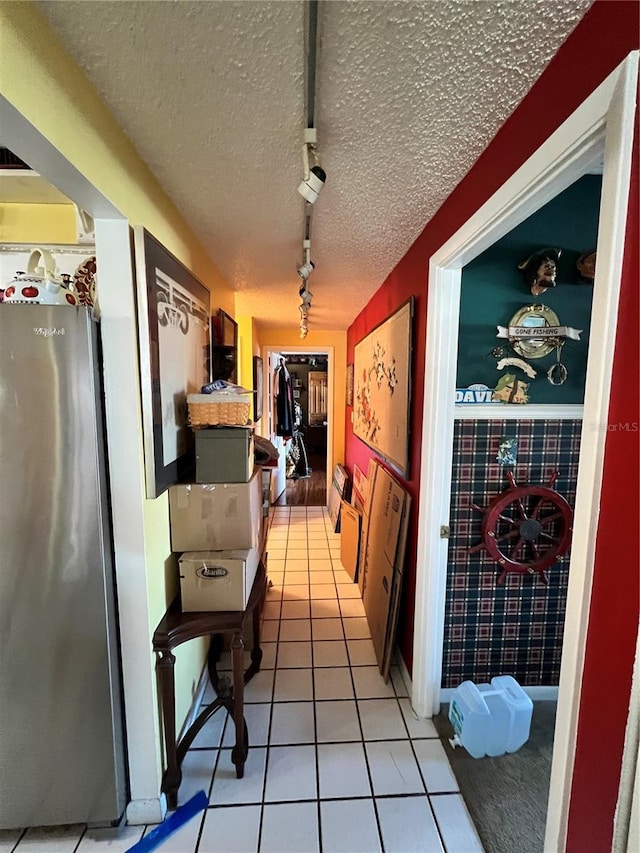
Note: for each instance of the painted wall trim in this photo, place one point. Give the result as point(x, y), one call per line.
point(512, 412)
point(18, 134)
point(124, 437)
point(605, 117)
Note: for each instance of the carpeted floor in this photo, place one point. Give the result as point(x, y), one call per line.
point(507, 796)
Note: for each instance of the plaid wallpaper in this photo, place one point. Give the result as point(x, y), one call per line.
point(515, 629)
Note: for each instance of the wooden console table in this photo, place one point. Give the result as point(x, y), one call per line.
point(176, 628)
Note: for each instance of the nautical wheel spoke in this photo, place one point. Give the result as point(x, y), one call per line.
point(553, 517)
point(517, 548)
point(537, 508)
point(509, 535)
point(521, 508)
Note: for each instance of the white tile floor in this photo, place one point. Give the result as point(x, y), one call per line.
point(338, 761)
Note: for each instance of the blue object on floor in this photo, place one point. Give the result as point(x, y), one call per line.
point(171, 824)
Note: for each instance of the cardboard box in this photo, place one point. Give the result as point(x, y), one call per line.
point(224, 455)
point(350, 523)
point(217, 580)
point(216, 516)
point(359, 489)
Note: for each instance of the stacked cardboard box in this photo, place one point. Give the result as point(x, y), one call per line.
point(218, 527)
point(224, 454)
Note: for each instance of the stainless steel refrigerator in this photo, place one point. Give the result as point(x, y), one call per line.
point(61, 728)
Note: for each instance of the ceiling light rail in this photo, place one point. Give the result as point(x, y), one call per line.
point(314, 176)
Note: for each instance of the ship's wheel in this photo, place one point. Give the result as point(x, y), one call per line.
point(526, 528)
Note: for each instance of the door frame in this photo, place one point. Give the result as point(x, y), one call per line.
point(602, 125)
point(320, 350)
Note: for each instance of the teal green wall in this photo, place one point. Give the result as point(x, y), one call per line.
point(493, 290)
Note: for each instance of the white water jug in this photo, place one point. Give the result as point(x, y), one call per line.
point(490, 719)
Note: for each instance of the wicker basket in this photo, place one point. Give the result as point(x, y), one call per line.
point(218, 409)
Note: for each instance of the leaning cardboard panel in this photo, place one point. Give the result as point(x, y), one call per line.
point(340, 490)
point(386, 541)
point(364, 532)
point(396, 591)
point(350, 539)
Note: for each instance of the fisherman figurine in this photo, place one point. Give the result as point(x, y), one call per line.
point(539, 270)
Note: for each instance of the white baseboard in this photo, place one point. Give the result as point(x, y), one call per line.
point(141, 812)
point(535, 693)
point(192, 713)
point(404, 672)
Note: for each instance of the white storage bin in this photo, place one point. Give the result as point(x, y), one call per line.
point(490, 719)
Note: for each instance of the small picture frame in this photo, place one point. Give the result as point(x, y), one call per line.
point(350, 384)
point(257, 387)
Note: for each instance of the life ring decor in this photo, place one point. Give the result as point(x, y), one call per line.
point(525, 529)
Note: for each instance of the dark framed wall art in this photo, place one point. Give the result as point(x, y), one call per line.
point(257, 387)
point(349, 399)
point(173, 330)
point(224, 347)
point(382, 388)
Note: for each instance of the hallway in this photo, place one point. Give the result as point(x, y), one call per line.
point(338, 761)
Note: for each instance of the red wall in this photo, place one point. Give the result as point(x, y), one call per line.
point(607, 33)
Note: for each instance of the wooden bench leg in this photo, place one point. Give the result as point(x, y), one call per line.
point(166, 683)
point(240, 750)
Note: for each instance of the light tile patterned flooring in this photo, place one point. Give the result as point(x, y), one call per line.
point(338, 760)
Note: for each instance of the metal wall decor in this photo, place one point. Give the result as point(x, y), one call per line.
point(531, 331)
point(534, 331)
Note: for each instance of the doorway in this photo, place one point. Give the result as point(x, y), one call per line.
point(306, 470)
point(514, 626)
point(306, 458)
point(603, 123)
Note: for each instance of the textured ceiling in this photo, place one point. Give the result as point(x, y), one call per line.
point(212, 95)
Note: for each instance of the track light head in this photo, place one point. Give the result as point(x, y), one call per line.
point(305, 270)
point(312, 185)
point(314, 177)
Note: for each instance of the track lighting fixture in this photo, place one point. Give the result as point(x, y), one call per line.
point(305, 270)
point(314, 176)
point(305, 295)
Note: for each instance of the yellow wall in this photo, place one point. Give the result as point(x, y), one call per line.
point(283, 339)
point(38, 223)
point(40, 79)
point(248, 346)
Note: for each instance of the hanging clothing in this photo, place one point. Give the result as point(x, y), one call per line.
point(297, 465)
point(283, 396)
